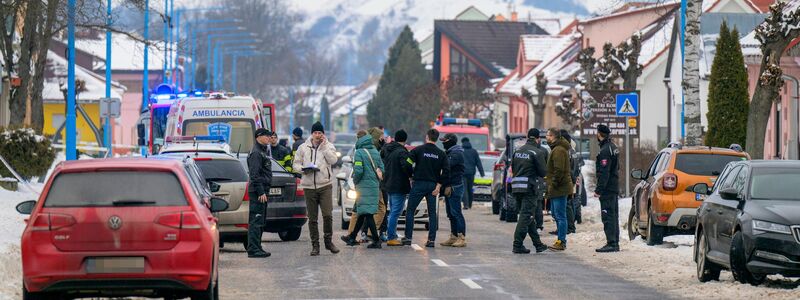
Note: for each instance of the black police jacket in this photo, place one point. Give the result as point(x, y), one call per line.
point(529, 166)
point(260, 169)
point(607, 168)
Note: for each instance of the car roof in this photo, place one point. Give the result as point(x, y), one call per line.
point(705, 150)
point(774, 163)
point(164, 163)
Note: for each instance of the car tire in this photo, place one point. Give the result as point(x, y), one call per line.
point(655, 233)
point(739, 263)
point(706, 270)
point(290, 235)
point(633, 231)
point(212, 293)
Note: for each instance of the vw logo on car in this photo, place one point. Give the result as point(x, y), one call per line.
point(115, 222)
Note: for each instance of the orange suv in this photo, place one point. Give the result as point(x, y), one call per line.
point(663, 203)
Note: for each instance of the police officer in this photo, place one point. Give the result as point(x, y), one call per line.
point(527, 184)
point(260, 168)
point(281, 153)
point(607, 170)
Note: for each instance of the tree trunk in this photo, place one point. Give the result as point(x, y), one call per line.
point(18, 103)
point(538, 109)
point(765, 94)
point(691, 74)
point(37, 110)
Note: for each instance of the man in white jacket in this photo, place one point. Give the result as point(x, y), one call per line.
point(314, 160)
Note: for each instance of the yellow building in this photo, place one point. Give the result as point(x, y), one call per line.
point(54, 117)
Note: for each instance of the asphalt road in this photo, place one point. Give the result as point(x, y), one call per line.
point(485, 269)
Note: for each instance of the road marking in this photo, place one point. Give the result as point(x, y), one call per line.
point(416, 247)
point(439, 262)
point(471, 284)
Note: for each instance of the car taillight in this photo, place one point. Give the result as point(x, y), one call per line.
point(298, 191)
point(669, 182)
point(246, 196)
point(180, 220)
point(499, 167)
point(58, 221)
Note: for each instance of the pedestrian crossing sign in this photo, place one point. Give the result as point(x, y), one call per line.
point(628, 105)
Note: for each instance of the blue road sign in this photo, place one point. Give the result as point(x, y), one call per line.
point(627, 105)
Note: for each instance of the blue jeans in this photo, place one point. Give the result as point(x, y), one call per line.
point(419, 190)
point(559, 210)
point(453, 205)
point(396, 203)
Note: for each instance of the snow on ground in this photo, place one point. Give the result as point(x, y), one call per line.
point(669, 267)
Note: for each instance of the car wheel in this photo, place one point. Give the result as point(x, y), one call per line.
point(211, 293)
point(739, 262)
point(633, 230)
point(292, 234)
point(706, 270)
point(655, 233)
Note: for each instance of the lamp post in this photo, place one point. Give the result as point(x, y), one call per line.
point(145, 74)
point(166, 41)
point(225, 39)
point(234, 62)
point(210, 39)
point(220, 72)
point(71, 130)
point(193, 36)
point(107, 127)
point(178, 13)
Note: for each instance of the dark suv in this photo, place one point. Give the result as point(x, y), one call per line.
point(750, 223)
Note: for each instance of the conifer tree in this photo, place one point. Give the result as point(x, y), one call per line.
point(728, 103)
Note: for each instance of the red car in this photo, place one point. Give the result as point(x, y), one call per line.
point(122, 227)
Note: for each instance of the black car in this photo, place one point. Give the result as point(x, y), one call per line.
point(750, 223)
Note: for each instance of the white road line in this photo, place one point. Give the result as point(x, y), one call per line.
point(471, 284)
point(439, 262)
point(416, 247)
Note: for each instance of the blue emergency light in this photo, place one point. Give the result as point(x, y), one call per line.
point(163, 97)
point(461, 121)
point(197, 93)
point(210, 138)
point(182, 95)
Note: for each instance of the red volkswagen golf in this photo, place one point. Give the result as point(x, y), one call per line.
point(122, 227)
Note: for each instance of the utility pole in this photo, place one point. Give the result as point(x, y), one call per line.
point(71, 130)
point(146, 76)
point(107, 140)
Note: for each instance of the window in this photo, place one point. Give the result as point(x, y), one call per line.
point(223, 168)
point(110, 188)
point(728, 179)
point(241, 132)
point(703, 164)
point(741, 180)
point(775, 184)
point(461, 65)
point(654, 165)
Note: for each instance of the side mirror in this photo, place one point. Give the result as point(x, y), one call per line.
point(140, 132)
point(347, 159)
point(701, 188)
point(213, 186)
point(638, 174)
point(218, 204)
point(26, 208)
point(730, 194)
point(341, 176)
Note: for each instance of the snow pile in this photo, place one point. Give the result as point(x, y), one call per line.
point(669, 267)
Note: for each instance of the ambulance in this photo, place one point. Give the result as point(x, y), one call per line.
point(232, 117)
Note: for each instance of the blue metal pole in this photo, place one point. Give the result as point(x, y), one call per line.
point(166, 42)
point(194, 58)
point(171, 59)
point(216, 68)
point(208, 63)
point(146, 75)
point(233, 72)
point(683, 57)
point(107, 128)
point(71, 130)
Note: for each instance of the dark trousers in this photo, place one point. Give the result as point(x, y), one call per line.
point(469, 194)
point(526, 223)
point(368, 221)
point(317, 200)
point(576, 202)
point(570, 214)
point(419, 190)
point(256, 221)
point(609, 206)
point(539, 212)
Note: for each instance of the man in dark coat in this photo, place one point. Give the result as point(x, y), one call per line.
point(397, 181)
point(528, 186)
point(454, 191)
point(559, 184)
point(472, 160)
point(607, 169)
point(260, 169)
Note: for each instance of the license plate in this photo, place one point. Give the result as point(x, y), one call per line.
point(107, 265)
point(482, 190)
point(275, 191)
point(700, 197)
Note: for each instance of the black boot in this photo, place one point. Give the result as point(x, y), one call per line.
point(376, 244)
point(521, 250)
point(608, 248)
point(315, 249)
point(540, 247)
point(349, 241)
point(331, 247)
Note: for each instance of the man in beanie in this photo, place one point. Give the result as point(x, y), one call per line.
point(314, 160)
point(260, 168)
point(607, 170)
point(280, 153)
point(297, 137)
point(397, 181)
point(454, 191)
point(527, 184)
point(472, 160)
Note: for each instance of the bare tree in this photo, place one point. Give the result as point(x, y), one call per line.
point(540, 105)
point(625, 58)
point(780, 28)
point(691, 73)
point(467, 96)
point(587, 61)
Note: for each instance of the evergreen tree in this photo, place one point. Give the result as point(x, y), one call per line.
point(728, 103)
point(404, 98)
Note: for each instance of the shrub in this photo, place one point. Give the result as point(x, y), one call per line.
point(28, 153)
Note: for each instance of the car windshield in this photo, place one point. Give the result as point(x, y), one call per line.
point(703, 164)
point(775, 183)
point(159, 118)
point(229, 169)
point(115, 188)
point(238, 133)
point(488, 163)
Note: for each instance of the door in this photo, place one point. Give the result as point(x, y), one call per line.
point(645, 191)
point(715, 209)
point(729, 209)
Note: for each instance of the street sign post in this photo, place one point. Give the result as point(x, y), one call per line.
point(110, 108)
point(628, 106)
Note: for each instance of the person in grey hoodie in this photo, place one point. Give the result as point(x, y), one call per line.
point(472, 160)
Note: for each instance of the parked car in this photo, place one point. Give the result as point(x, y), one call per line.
point(482, 186)
point(663, 203)
point(347, 195)
point(122, 227)
point(750, 223)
